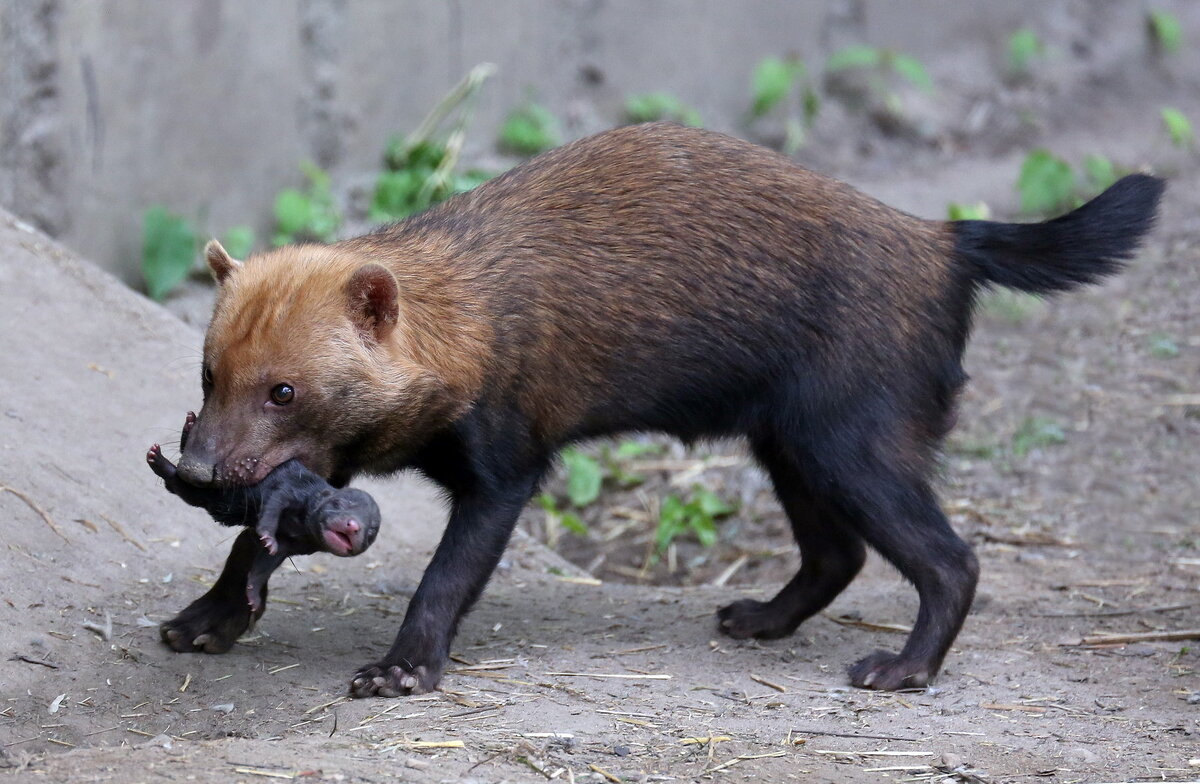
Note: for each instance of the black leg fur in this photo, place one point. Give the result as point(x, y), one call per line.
point(831, 554)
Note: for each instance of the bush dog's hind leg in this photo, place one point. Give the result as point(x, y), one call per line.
point(831, 554)
point(212, 623)
point(481, 522)
point(897, 513)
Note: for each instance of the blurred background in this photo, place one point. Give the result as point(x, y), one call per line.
point(210, 110)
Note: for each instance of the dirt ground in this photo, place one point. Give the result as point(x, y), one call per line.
point(1093, 529)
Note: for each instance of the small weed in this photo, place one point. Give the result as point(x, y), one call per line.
point(585, 476)
point(1037, 432)
point(650, 107)
point(1166, 34)
point(1024, 47)
point(977, 211)
point(556, 517)
point(1163, 346)
point(239, 241)
point(773, 81)
point(981, 450)
point(697, 515)
point(308, 215)
point(1100, 173)
point(168, 250)
point(615, 461)
point(1179, 128)
point(529, 130)
point(1046, 183)
point(860, 56)
point(421, 168)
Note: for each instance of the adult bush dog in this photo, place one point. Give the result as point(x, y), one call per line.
point(650, 278)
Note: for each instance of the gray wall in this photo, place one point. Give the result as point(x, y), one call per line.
point(207, 106)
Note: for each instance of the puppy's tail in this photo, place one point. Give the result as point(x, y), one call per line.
point(1083, 246)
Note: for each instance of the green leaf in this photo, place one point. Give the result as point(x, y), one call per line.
point(977, 211)
point(650, 107)
point(529, 130)
point(855, 56)
point(239, 241)
point(1023, 47)
point(627, 450)
point(292, 209)
point(1046, 182)
point(1100, 172)
point(709, 503)
point(670, 522)
point(1178, 127)
point(168, 251)
point(1165, 31)
point(911, 69)
point(772, 81)
point(1037, 432)
point(584, 477)
point(572, 523)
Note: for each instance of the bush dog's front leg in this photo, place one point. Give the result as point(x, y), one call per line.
point(212, 623)
point(478, 531)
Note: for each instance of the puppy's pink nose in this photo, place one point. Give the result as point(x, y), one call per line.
point(351, 526)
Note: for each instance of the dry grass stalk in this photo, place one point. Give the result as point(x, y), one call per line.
point(41, 512)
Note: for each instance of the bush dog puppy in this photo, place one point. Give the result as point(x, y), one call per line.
point(293, 512)
point(650, 278)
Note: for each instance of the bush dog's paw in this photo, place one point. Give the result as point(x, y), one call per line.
point(748, 618)
point(391, 680)
point(207, 626)
point(886, 671)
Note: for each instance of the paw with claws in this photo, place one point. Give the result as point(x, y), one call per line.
point(208, 625)
point(394, 680)
point(888, 672)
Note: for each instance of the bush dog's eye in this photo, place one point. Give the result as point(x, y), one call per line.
point(206, 376)
point(282, 394)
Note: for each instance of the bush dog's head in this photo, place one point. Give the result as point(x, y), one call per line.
point(304, 358)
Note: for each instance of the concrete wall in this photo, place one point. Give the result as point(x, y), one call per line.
point(207, 106)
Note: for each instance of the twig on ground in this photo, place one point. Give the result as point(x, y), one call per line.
point(41, 512)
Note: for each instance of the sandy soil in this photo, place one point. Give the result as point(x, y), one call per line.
point(559, 675)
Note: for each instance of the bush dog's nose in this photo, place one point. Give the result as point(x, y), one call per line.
point(195, 472)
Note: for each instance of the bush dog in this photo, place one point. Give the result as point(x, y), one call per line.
point(650, 278)
point(293, 512)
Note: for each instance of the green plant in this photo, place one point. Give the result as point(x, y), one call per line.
point(309, 214)
point(1166, 34)
point(1023, 48)
point(870, 58)
point(649, 107)
point(977, 211)
point(584, 477)
point(239, 241)
point(1100, 173)
point(557, 517)
point(773, 81)
point(1046, 183)
point(1163, 346)
point(169, 247)
point(1179, 128)
point(1036, 432)
point(697, 516)
point(529, 130)
point(421, 168)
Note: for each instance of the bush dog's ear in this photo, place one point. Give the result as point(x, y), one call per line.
point(374, 301)
point(219, 261)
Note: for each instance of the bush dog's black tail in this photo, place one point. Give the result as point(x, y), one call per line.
point(1080, 247)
